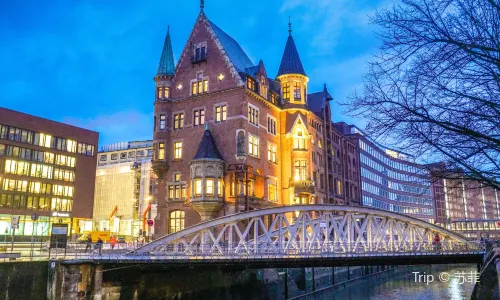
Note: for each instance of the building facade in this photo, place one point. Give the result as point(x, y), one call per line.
point(391, 180)
point(125, 189)
point(228, 138)
point(47, 169)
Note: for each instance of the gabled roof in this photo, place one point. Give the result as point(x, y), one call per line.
point(290, 62)
point(236, 54)
point(207, 148)
point(317, 101)
point(166, 65)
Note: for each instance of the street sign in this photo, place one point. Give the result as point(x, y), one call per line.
point(15, 222)
point(34, 217)
point(151, 223)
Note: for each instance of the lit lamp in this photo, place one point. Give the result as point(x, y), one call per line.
point(297, 177)
point(179, 86)
point(220, 77)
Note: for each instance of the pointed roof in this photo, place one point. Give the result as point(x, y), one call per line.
point(166, 65)
point(317, 101)
point(290, 63)
point(233, 50)
point(207, 148)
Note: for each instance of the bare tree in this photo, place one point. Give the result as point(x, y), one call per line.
point(434, 89)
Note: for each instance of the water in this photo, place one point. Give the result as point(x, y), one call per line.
point(402, 285)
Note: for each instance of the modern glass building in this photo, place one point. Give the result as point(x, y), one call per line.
point(391, 180)
point(47, 172)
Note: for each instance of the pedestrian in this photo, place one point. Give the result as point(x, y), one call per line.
point(98, 245)
point(112, 242)
point(89, 244)
point(437, 242)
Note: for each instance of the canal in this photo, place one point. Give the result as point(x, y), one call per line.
point(455, 284)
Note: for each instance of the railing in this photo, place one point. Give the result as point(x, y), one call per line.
point(302, 183)
point(198, 58)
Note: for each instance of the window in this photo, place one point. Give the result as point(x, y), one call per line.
point(300, 170)
point(296, 91)
point(209, 186)
point(131, 154)
point(273, 190)
point(274, 98)
point(45, 140)
point(271, 152)
point(271, 125)
point(179, 121)
point(17, 167)
point(163, 122)
point(71, 146)
point(220, 113)
point(286, 91)
point(299, 142)
point(114, 156)
point(177, 192)
point(199, 85)
point(263, 87)
point(219, 188)
point(253, 145)
point(197, 187)
point(199, 117)
point(200, 52)
point(176, 221)
point(322, 181)
point(314, 157)
point(41, 171)
point(339, 187)
point(253, 115)
point(177, 177)
point(178, 150)
point(161, 150)
point(123, 155)
point(250, 84)
point(163, 92)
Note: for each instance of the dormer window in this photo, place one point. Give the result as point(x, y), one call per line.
point(250, 84)
point(263, 87)
point(273, 98)
point(296, 91)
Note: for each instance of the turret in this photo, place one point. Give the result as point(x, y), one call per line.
point(292, 76)
point(165, 71)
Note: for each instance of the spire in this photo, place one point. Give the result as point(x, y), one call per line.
point(207, 148)
point(202, 4)
point(289, 26)
point(290, 63)
point(166, 65)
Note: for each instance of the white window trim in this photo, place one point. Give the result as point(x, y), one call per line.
point(258, 119)
point(258, 146)
point(215, 112)
point(275, 120)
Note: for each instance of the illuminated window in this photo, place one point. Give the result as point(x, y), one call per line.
point(176, 221)
point(199, 117)
point(220, 113)
point(209, 185)
point(161, 150)
point(250, 84)
point(271, 125)
point(71, 146)
point(177, 150)
point(274, 98)
point(45, 140)
point(296, 91)
point(177, 177)
point(339, 187)
point(300, 170)
point(299, 141)
point(273, 190)
point(253, 145)
point(219, 187)
point(179, 121)
point(163, 92)
point(163, 122)
point(263, 87)
point(253, 115)
point(199, 85)
point(197, 187)
point(271, 152)
point(300, 200)
point(286, 91)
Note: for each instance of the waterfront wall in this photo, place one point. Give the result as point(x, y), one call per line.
point(23, 280)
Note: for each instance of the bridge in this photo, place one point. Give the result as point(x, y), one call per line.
point(306, 235)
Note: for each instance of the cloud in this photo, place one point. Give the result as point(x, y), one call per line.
point(120, 126)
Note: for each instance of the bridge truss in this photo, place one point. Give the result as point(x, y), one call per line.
point(306, 230)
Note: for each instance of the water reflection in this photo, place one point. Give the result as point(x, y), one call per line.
point(402, 285)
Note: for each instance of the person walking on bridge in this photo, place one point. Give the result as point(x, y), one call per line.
point(437, 242)
point(112, 242)
point(89, 244)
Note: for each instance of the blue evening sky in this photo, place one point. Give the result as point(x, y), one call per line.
point(91, 63)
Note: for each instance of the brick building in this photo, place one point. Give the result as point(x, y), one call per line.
point(47, 168)
point(230, 138)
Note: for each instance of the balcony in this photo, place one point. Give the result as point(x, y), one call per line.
point(196, 59)
point(303, 186)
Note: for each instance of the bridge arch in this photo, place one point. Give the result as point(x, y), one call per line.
point(304, 228)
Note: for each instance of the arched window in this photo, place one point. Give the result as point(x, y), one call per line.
point(176, 221)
